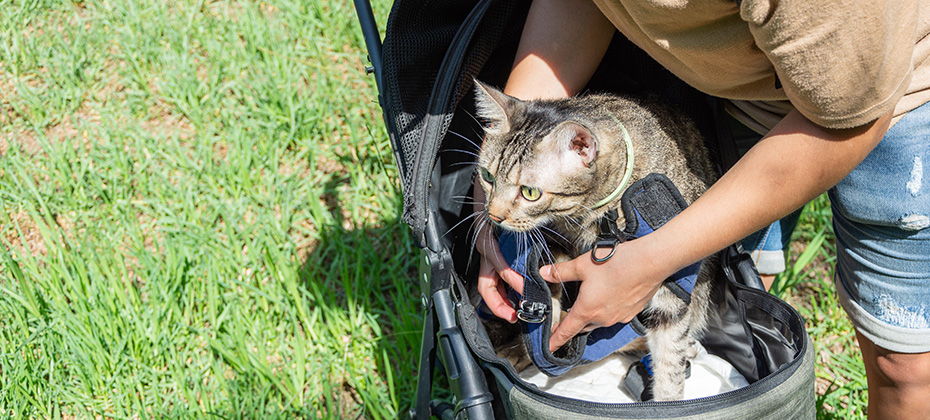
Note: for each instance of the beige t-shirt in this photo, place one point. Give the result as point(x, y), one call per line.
point(841, 63)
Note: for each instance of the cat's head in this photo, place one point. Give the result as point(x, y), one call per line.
point(537, 163)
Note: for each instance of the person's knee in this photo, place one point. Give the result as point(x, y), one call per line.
point(903, 370)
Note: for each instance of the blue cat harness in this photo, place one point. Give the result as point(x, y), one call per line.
point(647, 204)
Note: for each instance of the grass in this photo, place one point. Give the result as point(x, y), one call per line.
point(199, 219)
point(198, 212)
point(807, 284)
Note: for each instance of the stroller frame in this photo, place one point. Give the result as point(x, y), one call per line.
point(440, 329)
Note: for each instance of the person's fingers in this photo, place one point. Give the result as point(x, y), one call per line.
point(509, 275)
point(486, 243)
point(510, 309)
point(495, 297)
point(493, 268)
point(487, 246)
point(561, 272)
point(568, 328)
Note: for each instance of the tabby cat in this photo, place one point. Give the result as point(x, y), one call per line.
point(544, 167)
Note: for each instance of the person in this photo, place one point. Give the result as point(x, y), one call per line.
point(839, 89)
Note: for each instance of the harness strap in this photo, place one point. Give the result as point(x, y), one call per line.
point(608, 236)
point(536, 308)
point(637, 324)
point(647, 204)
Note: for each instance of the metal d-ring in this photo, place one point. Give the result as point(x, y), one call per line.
point(603, 242)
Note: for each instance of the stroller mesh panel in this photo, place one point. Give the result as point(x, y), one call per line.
point(419, 36)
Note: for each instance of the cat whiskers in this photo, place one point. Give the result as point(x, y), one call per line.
point(571, 221)
point(539, 240)
point(589, 209)
point(461, 199)
point(465, 219)
point(473, 118)
point(463, 151)
point(550, 257)
point(472, 164)
point(479, 225)
point(566, 241)
point(477, 146)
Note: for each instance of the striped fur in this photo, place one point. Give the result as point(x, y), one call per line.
point(572, 151)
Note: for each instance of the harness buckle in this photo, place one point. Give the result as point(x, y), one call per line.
point(604, 242)
point(608, 235)
point(532, 312)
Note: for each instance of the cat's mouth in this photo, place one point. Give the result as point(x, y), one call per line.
point(513, 226)
point(518, 225)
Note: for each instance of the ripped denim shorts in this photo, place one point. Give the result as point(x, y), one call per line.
point(881, 216)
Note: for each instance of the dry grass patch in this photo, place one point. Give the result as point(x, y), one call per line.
point(24, 235)
point(162, 122)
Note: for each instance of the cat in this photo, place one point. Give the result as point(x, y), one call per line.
point(545, 164)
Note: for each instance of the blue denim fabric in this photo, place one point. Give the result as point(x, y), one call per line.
point(880, 216)
point(767, 246)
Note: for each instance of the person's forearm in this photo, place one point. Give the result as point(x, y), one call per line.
point(562, 44)
point(794, 163)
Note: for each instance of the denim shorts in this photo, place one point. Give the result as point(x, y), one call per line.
point(767, 246)
point(881, 216)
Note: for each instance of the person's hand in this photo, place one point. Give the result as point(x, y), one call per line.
point(611, 292)
point(493, 270)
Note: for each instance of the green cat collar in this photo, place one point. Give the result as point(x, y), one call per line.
point(629, 168)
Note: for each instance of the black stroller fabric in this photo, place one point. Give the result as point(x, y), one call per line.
point(432, 53)
point(416, 50)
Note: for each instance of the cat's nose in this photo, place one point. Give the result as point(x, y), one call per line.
point(495, 219)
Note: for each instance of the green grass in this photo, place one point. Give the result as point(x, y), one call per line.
point(199, 219)
point(807, 284)
point(198, 215)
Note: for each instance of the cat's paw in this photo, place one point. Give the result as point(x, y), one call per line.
point(692, 351)
point(557, 313)
point(515, 353)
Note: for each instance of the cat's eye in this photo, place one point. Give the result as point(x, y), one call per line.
point(530, 193)
point(486, 175)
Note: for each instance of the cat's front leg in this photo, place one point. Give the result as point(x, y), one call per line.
point(670, 346)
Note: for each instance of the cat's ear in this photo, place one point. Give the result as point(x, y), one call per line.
point(575, 138)
point(494, 107)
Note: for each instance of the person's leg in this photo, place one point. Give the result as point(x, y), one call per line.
point(899, 383)
point(881, 217)
point(883, 281)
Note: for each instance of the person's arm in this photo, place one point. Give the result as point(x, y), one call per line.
point(794, 163)
point(562, 44)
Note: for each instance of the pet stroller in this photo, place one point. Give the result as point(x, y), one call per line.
point(431, 54)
